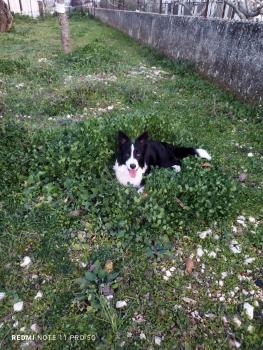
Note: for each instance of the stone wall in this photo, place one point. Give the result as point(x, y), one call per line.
point(228, 52)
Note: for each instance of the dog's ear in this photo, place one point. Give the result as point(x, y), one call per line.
point(122, 138)
point(143, 138)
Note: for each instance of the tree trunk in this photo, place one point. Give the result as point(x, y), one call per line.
point(64, 25)
point(6, 19)
point(41, 8)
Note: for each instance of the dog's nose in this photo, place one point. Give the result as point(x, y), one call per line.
point(132, 166)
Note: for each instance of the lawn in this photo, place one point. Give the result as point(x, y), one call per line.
point(88, 264)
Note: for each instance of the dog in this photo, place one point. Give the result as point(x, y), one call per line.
point(136, 158)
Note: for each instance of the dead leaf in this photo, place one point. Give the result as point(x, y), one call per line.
point(189, 265)
point(109, 266)
point(144, 195)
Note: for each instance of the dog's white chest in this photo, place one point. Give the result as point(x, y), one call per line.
point(124, 177)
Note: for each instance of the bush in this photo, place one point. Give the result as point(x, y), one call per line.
point(75, 163)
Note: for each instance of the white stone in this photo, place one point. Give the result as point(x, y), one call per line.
point(142, 336)
point(216, 237)
point(234, 229)
point(234, 247)
point(224, 274)
point(26, 261)
point(250, 154)
point(237, 321)
point(168, 273)
point(221, 283)
point(109, 297)
point(22, 329)
point(157, 340)
point(249, 310)
point(166, 278)
point(38, 295)
point(34, 327)
point(172, 269)
point(234, 343)
point(120, 304)
point(251, 219)
point(250, 329)
point(212, 254)
point(204, 234)
point(249, 260)
point(2, 295)
point(200, 252)
point(18, 306)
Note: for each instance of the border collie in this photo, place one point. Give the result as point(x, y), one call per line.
point(136, 158)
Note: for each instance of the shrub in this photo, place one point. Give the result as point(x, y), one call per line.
point(76, 163)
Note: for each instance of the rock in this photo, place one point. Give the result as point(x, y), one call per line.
point(237, 321)
point(35, 328)
point(249, 310)
point(121, 304)
point(168, 273)
point(26, 261)
point(157, 340)
point(39, 295)
point(142, 336)
point(200, 252)
point(18, 306)
point(204, 234)
point(2, 295)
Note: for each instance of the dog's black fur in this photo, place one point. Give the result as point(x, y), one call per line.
point(145, 153)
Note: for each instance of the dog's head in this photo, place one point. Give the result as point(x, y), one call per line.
point(132, 153)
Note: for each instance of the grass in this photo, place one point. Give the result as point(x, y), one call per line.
point(88, 238)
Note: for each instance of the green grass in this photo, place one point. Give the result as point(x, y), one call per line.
point(59, 118)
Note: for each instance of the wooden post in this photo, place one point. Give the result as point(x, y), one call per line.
point(206, 8)
point(41, 8)
point(64, 25)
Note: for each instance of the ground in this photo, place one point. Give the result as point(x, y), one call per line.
point(178, 267)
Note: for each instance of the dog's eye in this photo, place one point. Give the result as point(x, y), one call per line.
point(137, 154)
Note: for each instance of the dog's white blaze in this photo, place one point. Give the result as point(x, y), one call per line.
point(132, 160)
point(203, 153)
point(123, 176)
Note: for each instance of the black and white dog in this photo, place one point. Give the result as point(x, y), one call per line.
point(136, 158)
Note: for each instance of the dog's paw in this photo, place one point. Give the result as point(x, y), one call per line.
point(177, 168)
point(140, 190)
point(202, 153)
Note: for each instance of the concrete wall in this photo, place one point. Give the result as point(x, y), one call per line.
point(229, 52)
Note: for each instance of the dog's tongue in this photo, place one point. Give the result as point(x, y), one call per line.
point(132, 172)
